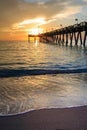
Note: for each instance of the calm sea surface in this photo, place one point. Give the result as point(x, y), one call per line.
point(36, 75)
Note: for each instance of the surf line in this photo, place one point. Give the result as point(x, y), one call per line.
point(19, 73)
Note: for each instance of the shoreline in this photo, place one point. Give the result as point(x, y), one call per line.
point(32, 110)
point(74, 118)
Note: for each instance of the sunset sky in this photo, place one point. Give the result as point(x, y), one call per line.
point(20, 17)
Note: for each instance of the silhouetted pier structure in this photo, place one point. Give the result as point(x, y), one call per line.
point(32, 36)
point(76, 33)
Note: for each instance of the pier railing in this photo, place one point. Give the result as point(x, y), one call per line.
point(66, 35)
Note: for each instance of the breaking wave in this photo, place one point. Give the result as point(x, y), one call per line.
point(20, 72)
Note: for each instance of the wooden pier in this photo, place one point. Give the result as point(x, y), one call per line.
point(76, 34)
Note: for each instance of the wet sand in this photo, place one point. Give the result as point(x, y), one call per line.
point(47, 119)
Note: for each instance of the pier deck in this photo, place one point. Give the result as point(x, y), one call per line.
point(66, 35)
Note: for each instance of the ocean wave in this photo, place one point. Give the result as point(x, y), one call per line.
point(20, 72)
point(13, 63)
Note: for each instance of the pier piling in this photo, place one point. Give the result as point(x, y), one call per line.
point(76, 34)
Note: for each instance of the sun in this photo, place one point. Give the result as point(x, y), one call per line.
point(35, 31)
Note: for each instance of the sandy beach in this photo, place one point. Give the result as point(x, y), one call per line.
point(47, 119)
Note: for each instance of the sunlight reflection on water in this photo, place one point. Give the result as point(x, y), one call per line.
point(36, 92)
point(20, 94)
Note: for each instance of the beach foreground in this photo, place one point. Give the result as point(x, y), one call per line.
point(47, 119)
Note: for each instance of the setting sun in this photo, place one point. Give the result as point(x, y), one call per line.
point(35, 31)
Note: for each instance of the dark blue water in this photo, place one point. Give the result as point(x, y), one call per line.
point(37, 75)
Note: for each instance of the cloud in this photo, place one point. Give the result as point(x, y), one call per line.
point(38, 21)
point(68, 12)
point(85, 0)
point(15, 12)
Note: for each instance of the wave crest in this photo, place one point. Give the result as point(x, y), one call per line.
point(21, 72)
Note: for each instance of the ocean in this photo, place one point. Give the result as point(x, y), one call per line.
point(41, 75)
